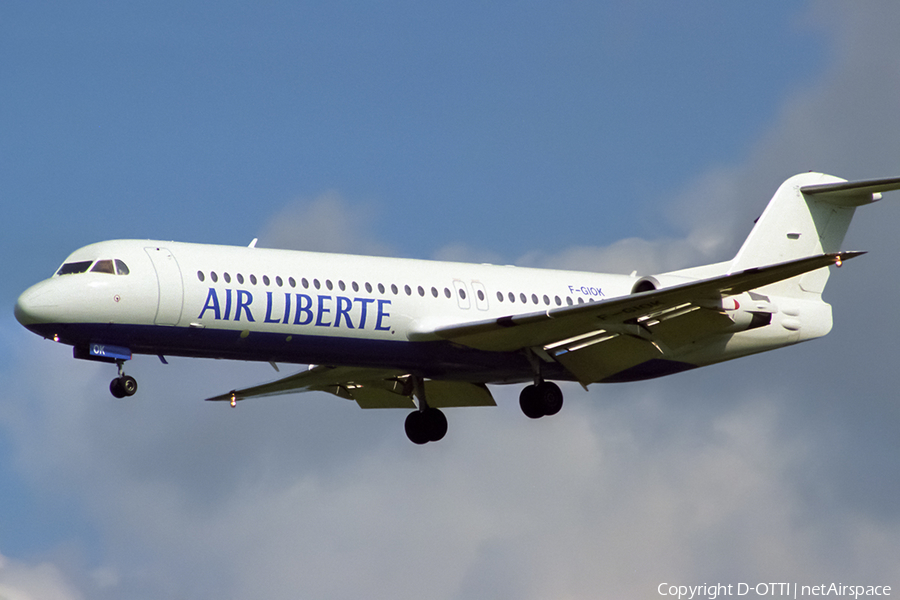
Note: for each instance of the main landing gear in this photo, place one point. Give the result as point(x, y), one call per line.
point(123, 385)
point(427, 424)
point(542, 399)
point(423, 426)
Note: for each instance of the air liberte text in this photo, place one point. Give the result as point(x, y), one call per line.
point(300, 309)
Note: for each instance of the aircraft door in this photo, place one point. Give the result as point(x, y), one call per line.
point(171, 287)
point(462, 294)
point(481, 300)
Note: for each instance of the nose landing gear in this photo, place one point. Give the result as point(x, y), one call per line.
point(123, 385)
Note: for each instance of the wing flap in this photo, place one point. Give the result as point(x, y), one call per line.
point(448, 394)
point(602, 353)
point(372, 395)
point(596, 359)
point(686, 325)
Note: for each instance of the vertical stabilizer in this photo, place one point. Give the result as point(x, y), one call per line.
point(808, 215)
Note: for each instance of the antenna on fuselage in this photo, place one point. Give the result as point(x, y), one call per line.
point(253, 243)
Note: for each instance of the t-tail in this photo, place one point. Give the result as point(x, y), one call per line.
point(808, 215)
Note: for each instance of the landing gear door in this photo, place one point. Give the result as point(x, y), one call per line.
point(171, 288)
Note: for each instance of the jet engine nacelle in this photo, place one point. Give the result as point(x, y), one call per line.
point(748, 310)
point(648, 283)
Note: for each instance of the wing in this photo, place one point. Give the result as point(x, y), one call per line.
point(595, 341)
point(370, 388)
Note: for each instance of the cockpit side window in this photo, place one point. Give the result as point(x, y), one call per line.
point(121, 268)
point(74, 268)
point(104, 266)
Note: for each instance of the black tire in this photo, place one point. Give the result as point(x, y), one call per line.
point(435, 424)
point(416, 428)
point(529, 401)
point(116, 388)
point(551, 398)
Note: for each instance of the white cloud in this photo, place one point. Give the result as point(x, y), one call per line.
point(327, 223)
point(42, 581)
point(628, 487)
point(459, 252)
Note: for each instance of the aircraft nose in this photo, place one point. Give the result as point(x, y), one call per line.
point(36, 305)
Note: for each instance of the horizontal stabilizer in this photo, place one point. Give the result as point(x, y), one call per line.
point(851, 193)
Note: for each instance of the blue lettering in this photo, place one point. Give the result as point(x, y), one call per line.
point(212, 303)
point(307, 310)
point(343, 309)
point(586, 290)
point(322, 312)
point(304, 304)
point(227, 304)
point(244, 300)
point(381, 315)
point(287, 308)
point(365, 302)
point(269, 318)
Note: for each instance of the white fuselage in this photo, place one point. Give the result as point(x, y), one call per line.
point(303, 307)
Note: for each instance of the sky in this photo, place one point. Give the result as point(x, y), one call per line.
point(643, 136)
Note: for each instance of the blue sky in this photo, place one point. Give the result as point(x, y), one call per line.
point(196, 123)
point(645, 135)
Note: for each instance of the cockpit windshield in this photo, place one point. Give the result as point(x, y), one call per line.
point(113, 267)
point(104, 266)
point(74, 268)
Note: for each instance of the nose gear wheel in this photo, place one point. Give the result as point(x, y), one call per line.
point(123, 386)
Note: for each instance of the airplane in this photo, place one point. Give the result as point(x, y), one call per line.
point(425, 335)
